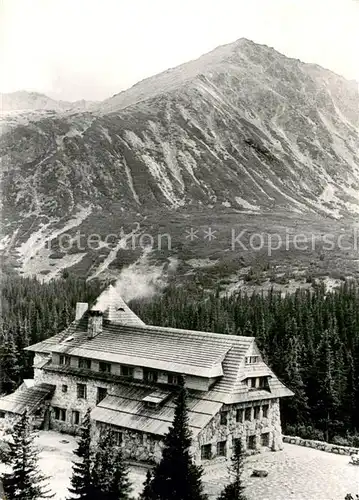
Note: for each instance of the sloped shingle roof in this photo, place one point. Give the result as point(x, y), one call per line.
point(126, 408)
point(189, 352)
point(181, 351)
point(26, 398)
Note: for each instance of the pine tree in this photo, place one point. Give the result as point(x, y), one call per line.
point(109, 472)
point(119, 485)
point(176, 477)
point(327, 394)
point(25, 481)
point(10, 372)
point(81, 481)
point(147, 493)
point(235, 489)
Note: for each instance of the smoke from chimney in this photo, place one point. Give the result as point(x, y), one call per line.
point(142, 279)
point(139, 280)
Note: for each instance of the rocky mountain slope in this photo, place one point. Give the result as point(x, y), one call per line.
point(242, 129)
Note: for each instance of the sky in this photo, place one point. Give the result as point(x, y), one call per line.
point(92, 49)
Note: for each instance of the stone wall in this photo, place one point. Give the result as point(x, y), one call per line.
point(136, 446)
point(141, 447)
point(321, 445)
point(68, 400)
point(215, 432)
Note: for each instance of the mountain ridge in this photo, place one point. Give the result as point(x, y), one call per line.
point(23, 100)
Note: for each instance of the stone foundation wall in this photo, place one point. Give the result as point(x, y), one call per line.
point(321, 445)
point(215, 432)
point(136, 446)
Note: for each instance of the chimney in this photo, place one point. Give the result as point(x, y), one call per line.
point(94, 326)
point(81, 308)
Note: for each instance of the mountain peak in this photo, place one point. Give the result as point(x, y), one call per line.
point(241, 128)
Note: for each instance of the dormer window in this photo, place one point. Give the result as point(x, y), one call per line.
point(156, 398)
point(150, 375)
point(151, 405)
point(173, 379)
point(104, 367)
point(257, 383)
point(85, 363)
point(263, 382)
point(127, 371)
point(250, 360)
point(64, 360)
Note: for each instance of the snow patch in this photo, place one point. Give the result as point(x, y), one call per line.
point(246, 204)
point(43, 235)
point(130, 182)
point(133, 139)
point(162, 180)
point(199, 263)
point(106, 134)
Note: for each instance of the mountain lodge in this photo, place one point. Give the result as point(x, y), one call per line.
point(109, 361)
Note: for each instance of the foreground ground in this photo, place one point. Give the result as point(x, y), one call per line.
point(295, 473)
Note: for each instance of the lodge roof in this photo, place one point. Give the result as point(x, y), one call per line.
point(26, 398)
point(126, 340)
point(169, 349)
point(127, 408)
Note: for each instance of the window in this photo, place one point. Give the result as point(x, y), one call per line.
point(259, 382)
point(104, 367)
point(118, 438)
point(151, 405)
point(256, 412)
point(81, 391)
point(265, 409)
point(221, 448)
point(251, 382)
point(248, 414)
point(85, 363)
point(101, 394)
point(239, 415)
point(64, 388)
point(263, 382)
point(75, 417)
point(2, 414)
point(224, 417)
point(234, 443)
point(206, 452)
point(172, 379)
point(251, 359)
point(150, 376)
point(127, 371)
point(59, 414)
point(251, 442)
point(265, 439)
point(64, 360)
